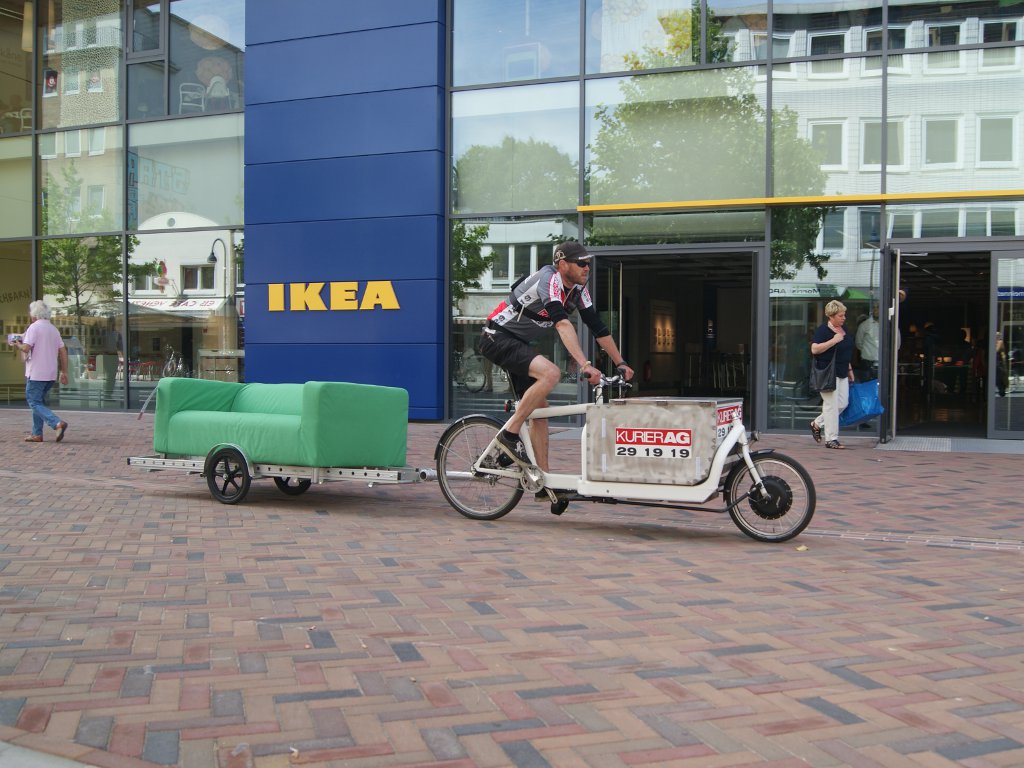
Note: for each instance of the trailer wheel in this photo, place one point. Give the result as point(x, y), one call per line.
point(292, 486)
point(227, 475)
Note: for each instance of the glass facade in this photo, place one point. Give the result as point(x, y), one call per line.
point(136, 236)
point(705, 125)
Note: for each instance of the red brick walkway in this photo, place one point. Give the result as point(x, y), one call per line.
point(144, 624)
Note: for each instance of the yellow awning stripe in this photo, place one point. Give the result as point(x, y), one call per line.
point(758, 202)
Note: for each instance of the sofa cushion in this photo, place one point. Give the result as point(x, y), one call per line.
point(284, 399)
point(263, 437)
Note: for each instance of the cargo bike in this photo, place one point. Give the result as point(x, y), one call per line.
point(676, 453)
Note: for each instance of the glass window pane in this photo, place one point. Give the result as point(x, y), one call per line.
point(496, 41)
point(952, 21)
point(694, 135)
point(516, 149)
point(471, 304)
point(803, 280)
point(662, 228)
point(817, 149)
point(940, 222)
point(207, 55)
point(499, 265)
point(82, 41)
point(976, 136)
point(632, 36)
point(146, 90)
point(737, 31)
point(818, 28)
point(185, 173)
point(1004, 223)
point(145, 25)
point(66, 178)
point(184, 311)
point(15, 187)
point(17, 293)
point(82, 281)
point(15, 69)
point(995, 139)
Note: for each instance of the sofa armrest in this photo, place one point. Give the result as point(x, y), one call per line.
point(354, 425)
point(175, 394)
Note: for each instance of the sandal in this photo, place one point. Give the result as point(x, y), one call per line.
point(816, 432)
point(835, 444)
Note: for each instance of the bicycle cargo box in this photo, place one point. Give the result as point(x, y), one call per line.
point(657, 440)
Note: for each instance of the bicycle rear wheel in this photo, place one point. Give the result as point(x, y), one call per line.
point(478, 497)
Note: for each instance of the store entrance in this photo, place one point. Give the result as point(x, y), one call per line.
point(684, 320)
point(941, 360)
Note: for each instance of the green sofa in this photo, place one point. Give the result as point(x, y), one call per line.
point(316, 424)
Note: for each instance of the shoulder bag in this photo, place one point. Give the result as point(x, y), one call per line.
point(823, 379)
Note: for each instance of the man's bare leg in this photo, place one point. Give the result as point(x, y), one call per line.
point(546, 376)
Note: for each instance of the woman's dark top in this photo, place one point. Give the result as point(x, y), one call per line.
point(843, 350)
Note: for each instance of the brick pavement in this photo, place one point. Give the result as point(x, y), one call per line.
point(144, 624)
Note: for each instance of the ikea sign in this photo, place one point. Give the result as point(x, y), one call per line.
point(342, 295)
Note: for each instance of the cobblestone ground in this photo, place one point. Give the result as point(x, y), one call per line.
point(144, 624)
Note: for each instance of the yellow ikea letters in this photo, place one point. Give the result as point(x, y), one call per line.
point(341, 296)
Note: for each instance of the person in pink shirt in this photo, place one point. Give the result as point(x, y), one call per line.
point(45, 358)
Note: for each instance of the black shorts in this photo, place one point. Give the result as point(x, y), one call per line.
point(512, 354)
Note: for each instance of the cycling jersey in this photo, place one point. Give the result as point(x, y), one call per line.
point(539, 301)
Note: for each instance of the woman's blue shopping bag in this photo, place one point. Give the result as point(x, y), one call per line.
point(863, 404)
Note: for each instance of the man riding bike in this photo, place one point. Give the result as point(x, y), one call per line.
point(537, 303)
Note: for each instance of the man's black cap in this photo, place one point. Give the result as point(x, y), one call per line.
point(571, 251)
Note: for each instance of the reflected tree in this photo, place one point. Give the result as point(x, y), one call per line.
point(701, 135)
point(468, 262)
point(83, 272)
point(514, 175)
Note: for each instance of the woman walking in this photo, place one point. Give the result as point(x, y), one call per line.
point(830, 339)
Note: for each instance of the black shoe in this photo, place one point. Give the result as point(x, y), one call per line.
point(514, 445)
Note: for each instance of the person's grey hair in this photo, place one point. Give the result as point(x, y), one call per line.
point(39, 309)
point(834, 307)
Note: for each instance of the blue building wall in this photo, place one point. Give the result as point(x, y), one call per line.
point(344, 184)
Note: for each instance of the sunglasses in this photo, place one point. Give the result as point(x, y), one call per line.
point(585, 262)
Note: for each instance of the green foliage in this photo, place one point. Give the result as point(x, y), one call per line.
point(701, 135)
point(467, 262)
point(513, 176)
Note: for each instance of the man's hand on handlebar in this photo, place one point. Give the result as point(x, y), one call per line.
point(625, 371)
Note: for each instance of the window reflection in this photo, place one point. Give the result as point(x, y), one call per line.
point(516, 149)
point(81, 62)
point(186, 306)
point(16, 186)
point(207, 56)
point(82, 282)
point(499, 41)
point(683, 136)
point(17, 294)
point(189, 167)
point(486, 255)
point(82, 182)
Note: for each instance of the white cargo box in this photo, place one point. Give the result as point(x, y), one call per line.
point(659, 440)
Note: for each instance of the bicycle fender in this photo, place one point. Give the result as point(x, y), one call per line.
point(458, 422)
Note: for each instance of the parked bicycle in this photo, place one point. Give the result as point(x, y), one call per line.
point(469, 371)
point(175, 364)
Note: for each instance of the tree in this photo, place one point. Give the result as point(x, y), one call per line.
point(467, 262)
point(701, 135)
point(515, 175)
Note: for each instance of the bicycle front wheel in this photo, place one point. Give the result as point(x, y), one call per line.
point(479, 497)
point(790, 503)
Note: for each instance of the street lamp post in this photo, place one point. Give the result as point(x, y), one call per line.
point(212, 259)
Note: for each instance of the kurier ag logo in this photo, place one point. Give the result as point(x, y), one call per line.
point(340, 296)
